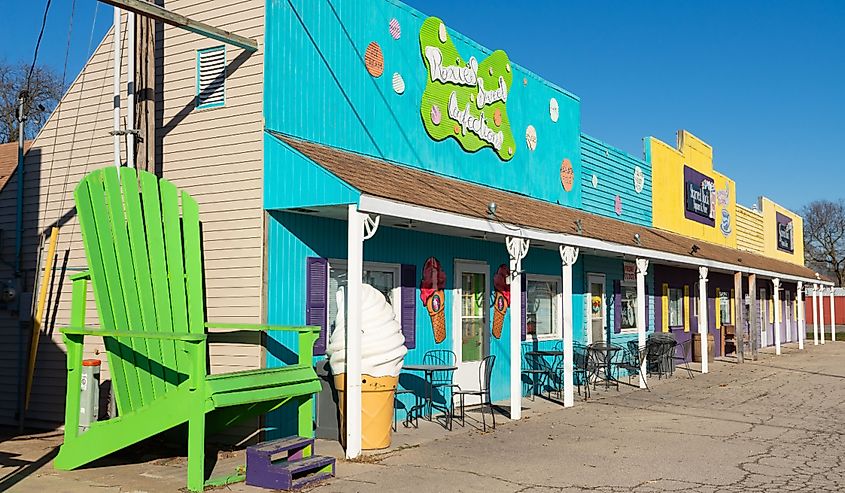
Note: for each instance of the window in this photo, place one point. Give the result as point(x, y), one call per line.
point(725, 308)
point(211, 77)
point(384, 277)
point(628, 294)
point(543, 304)
point(676, 307)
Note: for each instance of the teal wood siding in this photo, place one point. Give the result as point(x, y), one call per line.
point(317, 88)
point(614, 170)
point(613, 271)
point(293, 180)
point(293, 238)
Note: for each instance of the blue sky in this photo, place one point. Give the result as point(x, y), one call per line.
point(761, 81)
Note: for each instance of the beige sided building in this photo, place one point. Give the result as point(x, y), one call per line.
point(215, 154)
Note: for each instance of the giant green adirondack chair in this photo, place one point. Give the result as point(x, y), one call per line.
point(145, 266)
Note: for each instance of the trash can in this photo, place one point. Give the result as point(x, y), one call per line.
point(696, 348)
point(89, 394)
point(326, 404)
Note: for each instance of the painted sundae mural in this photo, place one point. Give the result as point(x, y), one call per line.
point(433, 297)
point(501, 298)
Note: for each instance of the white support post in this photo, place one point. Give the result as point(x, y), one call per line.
point(642, 270)
point(815, 314)
point(355, 274)
point(568, 256)
point(832, 317)
point(821, 313)
point(799, 298)
point(517, 249)
point(702, 316)
point(776, 293)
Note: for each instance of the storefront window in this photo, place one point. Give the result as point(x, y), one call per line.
point(725, 308)
point(541, 312)
point(676, 307)
point(629, 307)
point(385, 278)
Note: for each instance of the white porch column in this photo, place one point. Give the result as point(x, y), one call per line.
point(815, 314)
point(360, 227)
point(517, 249)
point(702, 316)
point(776, 293)
point(821, 312)
point(568, 256)
point(832, 317)
point(799, 299)
point(642, 323)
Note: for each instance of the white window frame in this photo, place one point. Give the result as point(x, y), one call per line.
point(557, 299)
point(395, 269)
point(627, 284)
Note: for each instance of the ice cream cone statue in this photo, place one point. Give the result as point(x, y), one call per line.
point(382, 354)
point(432, 295)
point(501, 299)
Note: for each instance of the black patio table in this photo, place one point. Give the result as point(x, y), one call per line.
point(428, 401)
point(602, 356)
point(557, 362)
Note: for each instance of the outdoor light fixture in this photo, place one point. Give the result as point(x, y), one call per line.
point(637, 239)
point(695, 249)
point(491, 209)
point(578, 227)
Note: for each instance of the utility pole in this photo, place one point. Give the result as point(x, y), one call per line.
point(145, 82)
point(22, 97)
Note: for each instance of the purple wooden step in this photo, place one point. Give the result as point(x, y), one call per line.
point(291, 474)
point(282, 444)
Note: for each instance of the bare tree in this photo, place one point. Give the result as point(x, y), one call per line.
point(824, 237)
point(45, 89)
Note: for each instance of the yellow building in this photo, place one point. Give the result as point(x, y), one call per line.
point(689, 197)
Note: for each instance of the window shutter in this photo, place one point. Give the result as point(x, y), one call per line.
point(316, 299)
point(647, 307)
point(617, 306)
point(409, 305)
point(718, 308)
point(733, 307)
point(687, 313)
point(211, 77)
point(665, 308)
point(523, 300)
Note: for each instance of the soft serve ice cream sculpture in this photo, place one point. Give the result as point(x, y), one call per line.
point(382, 354)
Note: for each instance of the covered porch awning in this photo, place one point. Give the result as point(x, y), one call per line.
point(395, 190)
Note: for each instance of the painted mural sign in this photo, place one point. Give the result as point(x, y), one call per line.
point(699, 197)
point(465, 99)
point(784, 232)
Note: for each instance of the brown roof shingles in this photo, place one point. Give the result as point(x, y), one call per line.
point(413, 186)
point(9, 160)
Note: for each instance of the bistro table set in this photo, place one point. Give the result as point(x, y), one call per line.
point(604, 362)
point(438, 369)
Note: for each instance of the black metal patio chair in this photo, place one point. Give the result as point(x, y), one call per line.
point(684, 356)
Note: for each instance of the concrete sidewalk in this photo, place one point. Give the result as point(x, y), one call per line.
point(772, 425)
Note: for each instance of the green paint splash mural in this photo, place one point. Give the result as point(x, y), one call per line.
point(465, 100)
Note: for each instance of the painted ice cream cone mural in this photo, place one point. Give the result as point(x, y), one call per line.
point(433, 297)
point(382, 355)
point(501, 299)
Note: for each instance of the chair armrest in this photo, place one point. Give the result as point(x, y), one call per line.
point(263, 327)
point(175, 336)
point(81, 275)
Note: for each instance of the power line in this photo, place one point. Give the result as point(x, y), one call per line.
point(38, 44)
